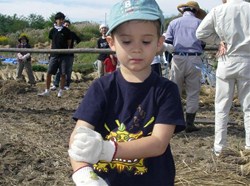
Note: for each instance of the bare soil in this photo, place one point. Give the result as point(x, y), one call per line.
point(34, 134)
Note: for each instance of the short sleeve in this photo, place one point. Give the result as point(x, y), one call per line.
point(170, 108)
point(169, 36)
point(92, 107)
point(51, 34)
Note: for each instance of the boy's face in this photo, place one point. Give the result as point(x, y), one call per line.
point(66, 24)
point(136, 43)
point(103, 30)
point(23, 41)
point(59, 22)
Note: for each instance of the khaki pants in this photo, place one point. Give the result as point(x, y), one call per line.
point(231, 72)
point(100, 68)
point(185, 71)
point(27, 65)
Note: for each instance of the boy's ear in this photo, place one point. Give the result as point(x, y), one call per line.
point(110, 41)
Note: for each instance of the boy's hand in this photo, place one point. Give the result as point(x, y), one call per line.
point(88, 146)
point(87, 177)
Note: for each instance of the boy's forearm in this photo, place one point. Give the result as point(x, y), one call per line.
point(77, 165)
point(150, 146)
point(141, 148)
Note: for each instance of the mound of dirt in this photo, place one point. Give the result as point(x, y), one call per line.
point(13, 88)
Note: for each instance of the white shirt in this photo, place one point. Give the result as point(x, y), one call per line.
point(229, 22)
point(156, 60)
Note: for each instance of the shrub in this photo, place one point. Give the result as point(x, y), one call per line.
point(89, 32)
point(39, 68)
point(83, 68)
point(86, 58)
point(4, 40)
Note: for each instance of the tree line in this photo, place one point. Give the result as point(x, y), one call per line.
point(10, 24)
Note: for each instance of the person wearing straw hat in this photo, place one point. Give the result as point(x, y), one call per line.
point(24, 60)
point(227, 26)
point(127, 118)
point(186, 57)
point(199, 13)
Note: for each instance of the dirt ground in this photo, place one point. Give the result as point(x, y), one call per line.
point(34, 134)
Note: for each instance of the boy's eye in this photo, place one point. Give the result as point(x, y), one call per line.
point(126, 42)
point(146, 42)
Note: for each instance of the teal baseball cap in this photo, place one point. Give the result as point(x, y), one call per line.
point(127, 10)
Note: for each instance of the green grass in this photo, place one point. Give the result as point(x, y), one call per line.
point(83, 68)
point(85, 60)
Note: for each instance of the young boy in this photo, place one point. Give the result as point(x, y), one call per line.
point(74, 40)
point(127, 119)
point(102, 44)
point(60, 37)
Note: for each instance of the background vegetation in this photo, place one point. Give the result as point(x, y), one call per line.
point(36, 28)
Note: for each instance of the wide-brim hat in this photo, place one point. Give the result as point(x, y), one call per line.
point(23, 37)
point(134, 10)
point(200, 13)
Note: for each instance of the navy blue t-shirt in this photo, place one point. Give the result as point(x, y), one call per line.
point(124, 111)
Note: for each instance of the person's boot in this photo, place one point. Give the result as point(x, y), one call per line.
point(190, 123)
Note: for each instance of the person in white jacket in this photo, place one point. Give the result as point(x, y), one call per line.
point(227, 25)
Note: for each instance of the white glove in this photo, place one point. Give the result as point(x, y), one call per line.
point(167, 47)
point(88, 146)
point(87, 177)
point(26, 56)
point(19, 56)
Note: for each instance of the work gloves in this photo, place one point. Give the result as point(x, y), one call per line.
point(87, 177)
point(88, 146)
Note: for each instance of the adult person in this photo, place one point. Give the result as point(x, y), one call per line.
point(102, 44)
point(74, 40)
point(186, 58)
point(133, 107)
point(227, 25)
point(60, 37)
point(24, 60)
